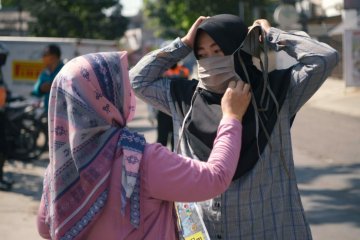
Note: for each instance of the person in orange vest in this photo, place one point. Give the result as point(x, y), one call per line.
point(177, 71)
point(3, 89)
point(164, 121)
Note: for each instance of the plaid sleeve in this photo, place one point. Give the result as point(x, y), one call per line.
point(146, 76)
point(315, 59)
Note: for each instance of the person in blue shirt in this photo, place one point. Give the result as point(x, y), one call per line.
point(53, 64)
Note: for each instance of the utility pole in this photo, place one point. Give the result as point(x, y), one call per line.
point(242, 10)
point(303, 18)
point(20, 20)
point(351, 42)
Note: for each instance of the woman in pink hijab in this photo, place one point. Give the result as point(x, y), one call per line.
point(103, 180)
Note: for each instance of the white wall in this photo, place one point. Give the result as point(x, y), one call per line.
point(30, 49)
point(332, 7)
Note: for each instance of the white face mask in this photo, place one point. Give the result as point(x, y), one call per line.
point(215, 73)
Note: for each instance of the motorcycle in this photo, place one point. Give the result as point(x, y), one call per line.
point(26, 134)
point(24, 122)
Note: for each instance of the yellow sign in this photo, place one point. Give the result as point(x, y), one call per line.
point(196, 236)
point(26, 70)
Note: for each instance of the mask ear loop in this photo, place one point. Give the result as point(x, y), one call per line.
point(271, 93)
point(256, 109)
point(184, 121)
point(256, 112)
point(264, 70)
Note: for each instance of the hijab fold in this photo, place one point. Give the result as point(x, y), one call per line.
point(90, 104)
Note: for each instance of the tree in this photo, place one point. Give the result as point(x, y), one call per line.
point(173, 18)
point(78, 19)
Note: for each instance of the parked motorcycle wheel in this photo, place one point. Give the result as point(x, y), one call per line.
point(25, 145)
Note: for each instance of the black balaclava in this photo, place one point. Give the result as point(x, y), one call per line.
point(229, 31)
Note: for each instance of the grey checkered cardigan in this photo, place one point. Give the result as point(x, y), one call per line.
point(265, 203)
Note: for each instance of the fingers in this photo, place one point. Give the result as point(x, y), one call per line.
point(236, 100)
point(240, 87)
point(243, 89)
point(199, 21)
point(232, 84)
point(263, 23)
point(188, 39)
point(246, 88)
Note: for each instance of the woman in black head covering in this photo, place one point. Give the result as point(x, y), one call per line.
point(263, 200)
point(216, 48)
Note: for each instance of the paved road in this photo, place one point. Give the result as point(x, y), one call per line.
point(326, 140)
point(327, 158)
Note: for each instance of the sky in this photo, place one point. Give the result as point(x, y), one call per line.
point(130, 7)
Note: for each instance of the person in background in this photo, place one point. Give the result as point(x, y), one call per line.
point(177, 71)
point(164, 121)
point(5, 185)
point(103, 180)
point(51, 58)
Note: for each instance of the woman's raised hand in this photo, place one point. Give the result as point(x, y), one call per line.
point(236, 100)
point(265, 25)
point(189, 38)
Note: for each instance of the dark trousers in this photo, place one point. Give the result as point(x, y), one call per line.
point(2, 162)
point(2, 143)
point(164, 129)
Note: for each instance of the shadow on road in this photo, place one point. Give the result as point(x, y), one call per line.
point(331, 202)
point(28, 185)
point(306, 175)
point(27, 177)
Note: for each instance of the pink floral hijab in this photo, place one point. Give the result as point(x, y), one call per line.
point(90, 103)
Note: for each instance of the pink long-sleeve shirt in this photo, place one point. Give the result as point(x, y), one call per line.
point(165, 177)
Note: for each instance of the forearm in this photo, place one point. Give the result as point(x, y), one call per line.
point(191, 180)
point(302, 47)
point(146, 77)
point(316, 60)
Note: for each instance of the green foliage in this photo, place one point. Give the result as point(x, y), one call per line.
point(173, 18)
point(78, 19)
